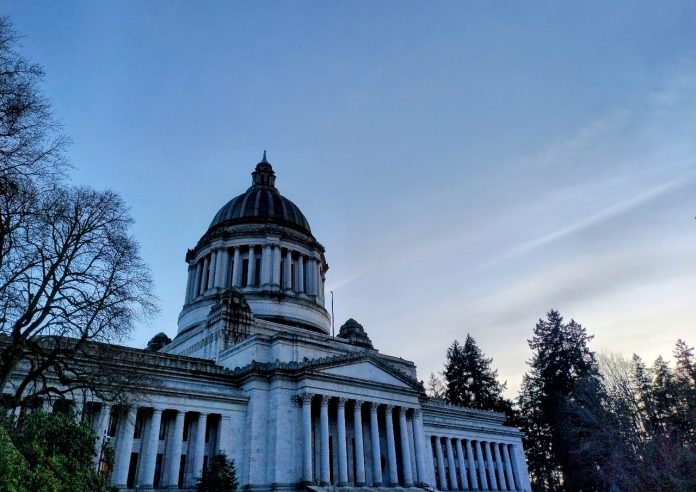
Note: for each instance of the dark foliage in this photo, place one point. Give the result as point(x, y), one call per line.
point(48, 452)
point(219, 476)
point(561, 361)
point(157, 342)
point(470, 380)
point(608, 424)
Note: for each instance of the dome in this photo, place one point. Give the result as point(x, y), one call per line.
point(262, 202)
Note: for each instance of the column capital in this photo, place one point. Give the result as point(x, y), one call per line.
point(417, 413)
point(325, 400)
point(389, 408)
point(358, 403)
point(342, 402)
point(158, 409)
point(403, 410)
point(305, 398)
point(374, 406)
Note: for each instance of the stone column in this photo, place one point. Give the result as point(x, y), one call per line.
point(473, 479)
point(491, 471)
point(405, 448)
point(78, 409)
point(376, 453)
point(498, 466)
point(199, 448)
point(149, 450)
point(509, 477)
point(204, 276)
point(318, 280)
point(288, 270)
point(221, 270)
point(222, 434)
point(300, 274)
point(251, 267)
point(462, 464)
point(174, 451)
point(418, 445)
point(324, 440)
point(307, 475)
point(266, 260)
point(451, 464)
point(236, 268)
point(311, 276)
point(512, 452)
point(102, 429)
point(440, 464)
point(391, 446)
point(196, 281)
point(482, 466)
point(342, 450)
point(276, 265)
point(211, 269)
point(217, 273)
point(359, 448)
point(124, 448)
point(189, 284)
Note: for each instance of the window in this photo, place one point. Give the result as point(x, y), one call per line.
point(138, 431)
point(187, 426)
point(164, 426)
point(257, 273)
point(245, 272)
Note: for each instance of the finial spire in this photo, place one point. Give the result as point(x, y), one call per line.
point(263, 175)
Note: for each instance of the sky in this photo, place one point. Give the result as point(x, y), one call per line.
point(467, 165)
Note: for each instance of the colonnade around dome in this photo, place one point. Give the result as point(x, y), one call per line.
point(265, 267)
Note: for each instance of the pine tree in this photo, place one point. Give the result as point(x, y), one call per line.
point(685, 386)
point(643, 388)
point(219, 476)
point(470, 380)
point(663, 395)
point(561, 360)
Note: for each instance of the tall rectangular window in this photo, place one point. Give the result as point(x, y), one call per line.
point(257, 273)
point(245, 272)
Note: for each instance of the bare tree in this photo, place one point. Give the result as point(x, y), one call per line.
point(70, 272)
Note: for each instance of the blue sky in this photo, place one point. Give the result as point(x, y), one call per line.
point(468, 165)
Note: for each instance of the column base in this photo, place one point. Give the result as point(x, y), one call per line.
point(360, 484)
point(377, 484)
point(342, 484)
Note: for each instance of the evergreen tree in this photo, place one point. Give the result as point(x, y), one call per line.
point(663, 395)
point(470, 380)
point(561, 360)
point(219, 476)
point(685, 387)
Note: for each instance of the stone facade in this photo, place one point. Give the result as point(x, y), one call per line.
point(253, 372)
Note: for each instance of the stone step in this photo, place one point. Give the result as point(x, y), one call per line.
point(335, 488)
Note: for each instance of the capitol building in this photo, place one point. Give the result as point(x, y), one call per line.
point(254, 373)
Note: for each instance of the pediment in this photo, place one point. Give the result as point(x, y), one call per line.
point(365, 371)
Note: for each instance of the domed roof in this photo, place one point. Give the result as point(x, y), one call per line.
point(262, 202)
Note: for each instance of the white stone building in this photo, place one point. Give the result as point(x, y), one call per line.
point(254, 372)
